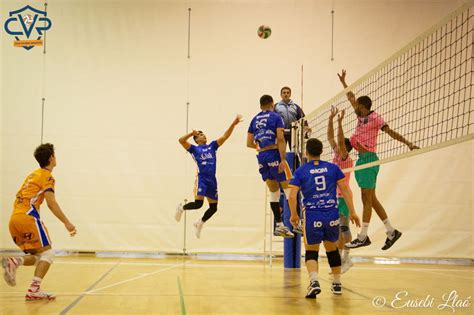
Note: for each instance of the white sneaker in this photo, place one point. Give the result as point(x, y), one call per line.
point(179, 212)
point(281, 230)
point(198, 225)
point(38, 295)
point(346, 264)
point(9, 274)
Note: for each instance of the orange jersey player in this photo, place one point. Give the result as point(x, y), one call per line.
point(28, 230)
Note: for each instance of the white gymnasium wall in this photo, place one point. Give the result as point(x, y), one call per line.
point(115, 84)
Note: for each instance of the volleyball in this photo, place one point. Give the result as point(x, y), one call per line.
point(264, 31)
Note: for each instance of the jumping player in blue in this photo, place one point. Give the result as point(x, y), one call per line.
point(266, 135)
point(318, 181)
point(206, 184)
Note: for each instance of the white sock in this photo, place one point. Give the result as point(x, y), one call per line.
point(280, 224)
point(35, 284)
point(345, 253)
point(313, 276)
point(337, 277)
point(364, 230)
point(388, 226)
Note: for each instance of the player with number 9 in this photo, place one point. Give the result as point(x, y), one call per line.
point(317, 181)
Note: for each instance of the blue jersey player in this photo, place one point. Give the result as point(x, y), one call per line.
point(317, 181)
point(206, 184)
point(266, 135)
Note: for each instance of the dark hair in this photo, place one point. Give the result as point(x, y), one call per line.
point(43, 153)
point(194, 137)
point(285, 88)
point(365, 101)
point(348, 144)
point(265, 100)
point(314, 147)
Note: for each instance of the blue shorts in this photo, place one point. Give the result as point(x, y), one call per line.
point(206, 186)
point(268, 162)
point(321, 226)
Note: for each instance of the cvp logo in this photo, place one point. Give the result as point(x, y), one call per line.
point(27, 22)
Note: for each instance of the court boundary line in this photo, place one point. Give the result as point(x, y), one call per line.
point(134, 278)
point(192, 265)
point(181, 297)
point(80, 297)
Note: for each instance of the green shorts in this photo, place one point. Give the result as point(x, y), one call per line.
point(367, 177)
point(343, 209)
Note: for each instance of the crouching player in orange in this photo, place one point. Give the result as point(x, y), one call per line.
point(28, 230)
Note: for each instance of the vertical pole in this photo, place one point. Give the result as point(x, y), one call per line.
point(43, 98)
point(302, 87)
point(187, 115)
point(332, 31)
point(42, 118)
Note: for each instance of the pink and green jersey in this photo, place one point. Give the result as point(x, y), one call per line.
point(343, 164)
point(367, 131)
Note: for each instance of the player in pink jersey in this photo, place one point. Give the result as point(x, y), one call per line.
point(342, 159)
point(364, 140)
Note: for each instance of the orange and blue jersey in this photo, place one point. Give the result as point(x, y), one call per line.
point(26, 227)
point(31, 193)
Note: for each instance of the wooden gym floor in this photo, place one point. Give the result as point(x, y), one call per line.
point(90, 285)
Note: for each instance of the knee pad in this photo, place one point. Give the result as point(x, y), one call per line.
point(275, 196)
point(334, 258)
point(213, 206)
point(311, 255)
point(199, 203)
point(47, 256)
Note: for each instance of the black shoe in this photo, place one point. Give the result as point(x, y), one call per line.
point(356, 243)
point(313, 290)
point(389, 242)
point(336, 288)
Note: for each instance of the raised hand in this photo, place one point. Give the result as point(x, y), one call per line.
point(342, 76)
point(340, 117)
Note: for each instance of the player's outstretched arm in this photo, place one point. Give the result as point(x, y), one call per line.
point(350, 95)
point(251, 141)
point(347, 194)
point(56, 210)
point(330, 134)
point(340, 136)
point(229, 131)
point(395, 135)
point(292, 202)
point(281, 143)
point(184, 139)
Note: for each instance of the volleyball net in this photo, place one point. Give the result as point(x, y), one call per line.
point(424, 92)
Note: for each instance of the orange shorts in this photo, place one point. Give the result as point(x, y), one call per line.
point(28, 231)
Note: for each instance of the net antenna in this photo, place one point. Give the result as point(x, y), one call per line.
point(424, 92)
